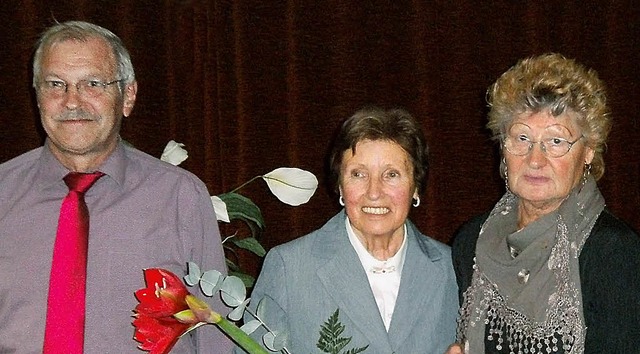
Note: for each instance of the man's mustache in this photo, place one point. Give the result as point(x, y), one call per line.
point(76, 115)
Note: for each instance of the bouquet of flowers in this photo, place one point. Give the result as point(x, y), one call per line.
point(291, 186)
point(167, 310)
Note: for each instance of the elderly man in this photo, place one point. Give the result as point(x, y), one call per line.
point(143, 212)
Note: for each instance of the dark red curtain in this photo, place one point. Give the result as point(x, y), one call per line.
point(250, 86)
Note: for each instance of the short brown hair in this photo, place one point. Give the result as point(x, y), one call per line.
point(374, 123)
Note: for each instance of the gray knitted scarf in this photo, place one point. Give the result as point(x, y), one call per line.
point(525, 290)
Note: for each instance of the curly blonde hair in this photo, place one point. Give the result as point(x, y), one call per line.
point(551, 81)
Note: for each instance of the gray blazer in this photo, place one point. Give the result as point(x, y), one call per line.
point(304, 281)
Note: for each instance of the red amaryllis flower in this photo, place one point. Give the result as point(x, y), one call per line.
point(167, 310)
point(156, 327)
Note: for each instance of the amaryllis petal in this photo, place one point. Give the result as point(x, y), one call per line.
point(174, 153)
point(165, 303)
point(221, 209)
point(158, 336)
point(290, 185)
point(155, 327)
point(164, 294)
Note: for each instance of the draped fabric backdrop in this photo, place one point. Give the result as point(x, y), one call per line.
point(253, 85)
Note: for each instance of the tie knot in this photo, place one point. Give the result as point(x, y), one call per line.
point(81, 182)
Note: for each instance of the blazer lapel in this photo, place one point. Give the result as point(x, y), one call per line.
point(420, 275)
point(347, 283)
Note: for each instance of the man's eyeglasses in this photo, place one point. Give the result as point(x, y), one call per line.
point(521, 145)
point(86, 88)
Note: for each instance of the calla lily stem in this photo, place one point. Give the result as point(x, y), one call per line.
point(245, 183)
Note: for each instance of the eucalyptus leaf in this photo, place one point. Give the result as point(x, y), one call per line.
point(275, 340)
point(261, 308)
point(193, 276)
point(247, 279)
point(233, 291)
point(268, 339)
point(236, 314)
point(251, 326)
point(280, 340)
point(210, 282)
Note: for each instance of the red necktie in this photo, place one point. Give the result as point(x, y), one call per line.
point(64, 332)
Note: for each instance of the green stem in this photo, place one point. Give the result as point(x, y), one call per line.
point(247, 343)
point(245, 183)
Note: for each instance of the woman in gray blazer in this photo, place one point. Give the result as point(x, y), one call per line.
point(387, 287)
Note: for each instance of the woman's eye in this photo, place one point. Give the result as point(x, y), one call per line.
point(393, 174)
point(556, 141)
point(522, 137)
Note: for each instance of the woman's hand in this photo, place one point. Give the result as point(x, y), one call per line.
point(455, 349)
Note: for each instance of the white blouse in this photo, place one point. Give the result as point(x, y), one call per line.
point(384, 276)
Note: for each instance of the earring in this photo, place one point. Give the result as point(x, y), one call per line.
point(506, 174)
point(416, 202)
point(586, 172)
point(341, 200)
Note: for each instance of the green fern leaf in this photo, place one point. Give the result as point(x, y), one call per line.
point(356, 350)
point(330, 340)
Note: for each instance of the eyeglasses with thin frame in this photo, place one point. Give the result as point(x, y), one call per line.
point(521, 145)
point(86, 88)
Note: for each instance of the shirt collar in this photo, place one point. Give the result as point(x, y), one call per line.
point(51, 171)
point(370, 263)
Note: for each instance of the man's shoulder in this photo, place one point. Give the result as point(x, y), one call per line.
point(20, 169)
point(151, 165)
point(21, 162)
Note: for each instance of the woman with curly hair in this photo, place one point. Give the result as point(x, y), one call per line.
point(549, 269)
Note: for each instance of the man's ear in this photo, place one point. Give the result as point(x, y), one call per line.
point(129, 98)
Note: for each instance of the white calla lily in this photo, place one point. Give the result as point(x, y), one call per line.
point(221, 209)
point(290, 185)
point(174, 153)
